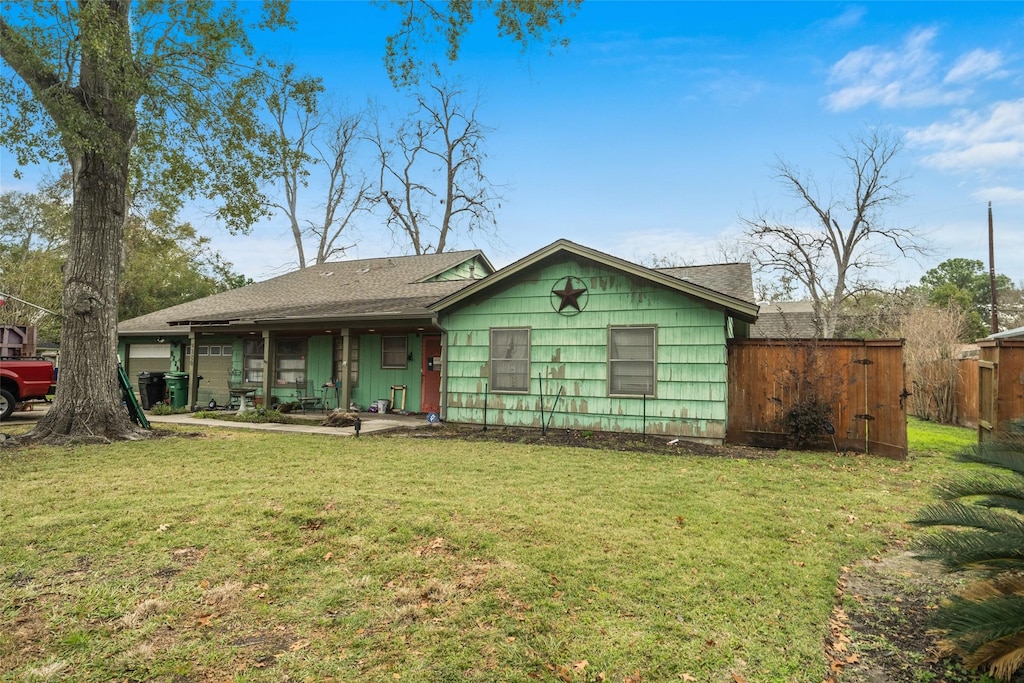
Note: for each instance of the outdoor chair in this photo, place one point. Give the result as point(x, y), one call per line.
point(307, 399)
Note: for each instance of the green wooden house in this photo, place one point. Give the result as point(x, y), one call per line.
point(572, 338)
point(567, 338)
point(330, 335)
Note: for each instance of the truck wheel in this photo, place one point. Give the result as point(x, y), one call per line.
point(6, 404)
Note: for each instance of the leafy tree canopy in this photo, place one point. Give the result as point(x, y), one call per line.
point(165, 263)
point(965, 283)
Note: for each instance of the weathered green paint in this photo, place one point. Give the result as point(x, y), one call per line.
point(474, 268)
point(375, 382)
point(570, 353)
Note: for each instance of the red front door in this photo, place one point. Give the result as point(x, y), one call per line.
point(430, 398)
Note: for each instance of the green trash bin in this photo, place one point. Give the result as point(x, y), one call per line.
point(177, 388)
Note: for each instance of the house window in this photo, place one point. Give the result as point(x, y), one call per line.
point(394, 352)
point(631, 361)
point(291, 362)
point(252, 361)
point(353, 364)
point(510, 359)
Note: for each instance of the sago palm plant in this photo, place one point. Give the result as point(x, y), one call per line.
point(981, 516)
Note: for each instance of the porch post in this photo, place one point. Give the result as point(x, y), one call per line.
point(346, 376)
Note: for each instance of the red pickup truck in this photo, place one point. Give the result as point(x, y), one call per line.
point(24, 379)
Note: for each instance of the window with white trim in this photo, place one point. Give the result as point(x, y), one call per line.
point(631, 361)
point(510, 359)
point(394, 352)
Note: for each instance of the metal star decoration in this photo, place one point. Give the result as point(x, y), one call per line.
point(569, 296)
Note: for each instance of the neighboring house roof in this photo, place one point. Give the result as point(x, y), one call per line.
point(1008, 334)
point(785, 320)
point(729, 286)
point(395, 287)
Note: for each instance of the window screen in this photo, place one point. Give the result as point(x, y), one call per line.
point(291, 362)
point(631, 361)
point(252, 361)
point(510, 359)
point(394, 352)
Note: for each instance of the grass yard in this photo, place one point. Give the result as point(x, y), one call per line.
point(250, 556)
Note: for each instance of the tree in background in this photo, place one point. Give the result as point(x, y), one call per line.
point(832, 256)
point(431, 180)
point(307, 138)
point(164, 93)
point(874, 314)
point(965, 283)
point(165, 263)
point(33, 246)
point(931, 352)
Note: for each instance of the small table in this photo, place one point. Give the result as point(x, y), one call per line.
point(326, 387)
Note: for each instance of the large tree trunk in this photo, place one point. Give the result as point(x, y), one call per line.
point(98, 135)
point(88, 403)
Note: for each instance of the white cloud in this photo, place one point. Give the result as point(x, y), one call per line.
point(1000, 195)
point(907, 77)
point(975, 140)
point(849, 18)
point(975, 64)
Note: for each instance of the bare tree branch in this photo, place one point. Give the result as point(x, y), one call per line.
point(431, 180)
point(833, 254)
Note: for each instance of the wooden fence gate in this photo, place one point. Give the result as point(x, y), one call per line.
point(1000, 385)
point(862, 380)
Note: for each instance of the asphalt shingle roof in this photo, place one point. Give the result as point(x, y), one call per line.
point(785, 320)
point(364, 287)
point(731, 279)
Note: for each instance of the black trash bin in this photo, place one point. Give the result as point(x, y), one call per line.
point(152, 387)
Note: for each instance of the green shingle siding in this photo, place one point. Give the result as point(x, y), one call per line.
point(375, 382)
point(571, 353)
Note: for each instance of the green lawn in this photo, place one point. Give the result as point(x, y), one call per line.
point(250, 556)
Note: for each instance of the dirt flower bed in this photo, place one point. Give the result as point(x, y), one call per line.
point(613, 441)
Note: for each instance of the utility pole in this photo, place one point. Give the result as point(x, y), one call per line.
point(992, 272)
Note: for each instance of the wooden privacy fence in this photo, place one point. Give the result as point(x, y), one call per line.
point(1000, 385)
point(862, 381)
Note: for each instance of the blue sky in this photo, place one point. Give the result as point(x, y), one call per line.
point(658, 126)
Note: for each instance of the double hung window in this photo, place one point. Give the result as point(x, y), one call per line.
point(291, 361)
point(510, 359)
point(631, 361)
point(394, 352)
point(252, 361)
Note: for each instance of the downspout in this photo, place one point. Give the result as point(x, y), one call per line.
point(193, 369)
point(443, 407)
